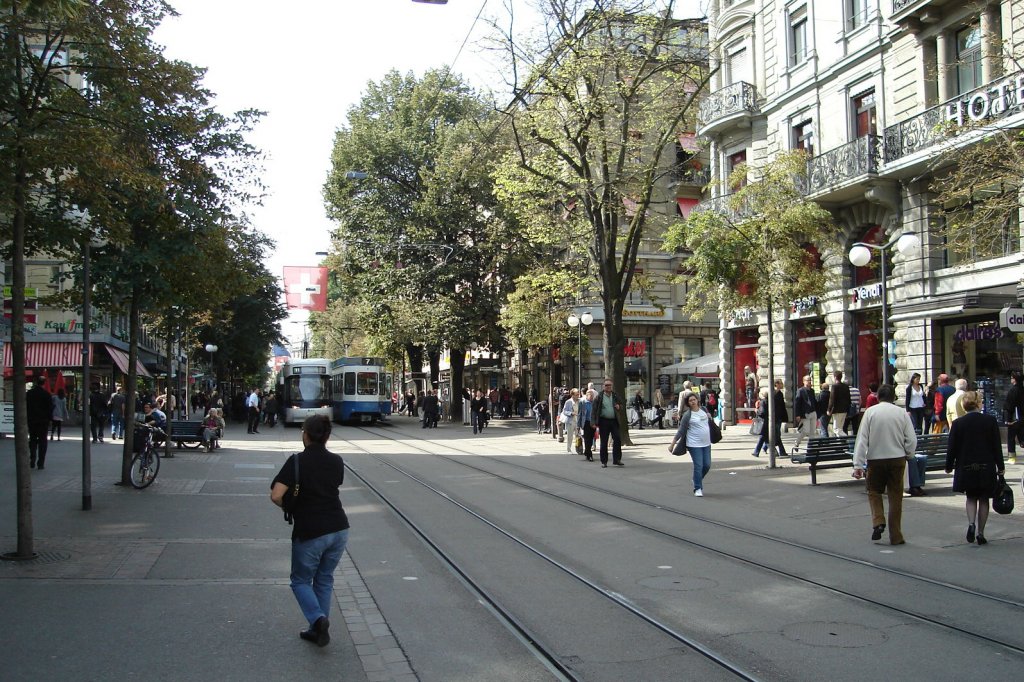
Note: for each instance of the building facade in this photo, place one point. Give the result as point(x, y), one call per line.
point(881, 94)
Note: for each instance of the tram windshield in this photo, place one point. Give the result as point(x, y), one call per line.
point(366, 383)
point(307, 388)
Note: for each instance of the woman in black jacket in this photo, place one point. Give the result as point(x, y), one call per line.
point(1013, 411)
point(781, 416)
point(975, 455)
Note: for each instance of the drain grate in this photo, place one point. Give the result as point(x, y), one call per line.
point(50, 557)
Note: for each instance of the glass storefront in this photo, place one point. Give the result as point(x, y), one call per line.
point(867, 354)
point(809, 351)
point(745, 346)
point(638, 367)
point(978, 350)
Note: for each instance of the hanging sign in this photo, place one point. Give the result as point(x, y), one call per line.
point(1012, 318)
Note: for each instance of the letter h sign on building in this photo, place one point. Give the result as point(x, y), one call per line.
point(1012, 319)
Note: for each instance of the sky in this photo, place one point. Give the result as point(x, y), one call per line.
point(305, 66)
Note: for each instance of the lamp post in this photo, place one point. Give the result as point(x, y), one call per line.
point(860, 255)
point(88, 241)
point(579, 322)
point(211, 348)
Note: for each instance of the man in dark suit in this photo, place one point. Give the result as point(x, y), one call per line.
point(838, 403)
point(38, 409)
point(431, 409)
point(606, 410)
point(781, 416)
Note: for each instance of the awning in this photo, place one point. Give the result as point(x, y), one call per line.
point(922, 314)
point(48, 354)
point(705, 364)
point(120, 359)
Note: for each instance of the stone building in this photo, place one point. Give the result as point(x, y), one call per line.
point(881, 94)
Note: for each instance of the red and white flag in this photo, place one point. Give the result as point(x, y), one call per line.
point(305, 288)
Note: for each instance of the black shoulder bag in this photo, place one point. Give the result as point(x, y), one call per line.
point(291, 498)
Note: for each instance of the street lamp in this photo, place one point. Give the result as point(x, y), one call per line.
point(860, 255)
point(211, 348)
point(579, 322)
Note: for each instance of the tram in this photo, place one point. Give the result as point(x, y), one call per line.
point(360, 390)
point(304, 388)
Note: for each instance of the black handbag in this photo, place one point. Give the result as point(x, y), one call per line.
point(291, 498)
point(716, 431)
point(1002, 499)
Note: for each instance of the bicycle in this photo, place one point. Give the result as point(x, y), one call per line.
point(146, 462)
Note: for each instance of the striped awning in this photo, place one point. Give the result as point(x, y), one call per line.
point(48, 354)
point(120, 359)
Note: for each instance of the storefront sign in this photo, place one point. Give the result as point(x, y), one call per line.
point(1012, 319)
point(997, 100)
point(7, 418)
point(868, 292)
point(742, 315)
point(635, 348)
point(978, 332)
point(71, 326)
point(802, 305)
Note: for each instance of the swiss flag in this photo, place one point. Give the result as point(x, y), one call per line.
point(305, 288)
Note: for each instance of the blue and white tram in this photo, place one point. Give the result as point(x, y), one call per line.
point(361, 390)
point(304, 389)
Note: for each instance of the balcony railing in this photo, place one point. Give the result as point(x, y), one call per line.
point(900, 5)
point(990, 102)
point(723, 204)
point(687, 175)
point(843, 164)
point(733, 99)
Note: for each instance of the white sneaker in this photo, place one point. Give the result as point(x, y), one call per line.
point(698, 493)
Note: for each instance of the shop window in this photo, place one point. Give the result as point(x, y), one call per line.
point(865, 121)
point(867, 357)
point(979, 350)
point(872, 271)
point(745, 348)
point(687, 349)
point(809, 352)
point(968, 58)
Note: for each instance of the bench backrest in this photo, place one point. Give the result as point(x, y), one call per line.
point(830, 446)
point(932, 444)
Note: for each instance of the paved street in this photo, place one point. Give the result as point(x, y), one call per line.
point(188, 579)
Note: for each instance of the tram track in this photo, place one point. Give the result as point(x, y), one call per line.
point(530, 639)
point(1004, 602)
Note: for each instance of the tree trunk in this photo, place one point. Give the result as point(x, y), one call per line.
point(434, 358)
point(614, 362)
point(167, 393)
point(23, 476)
point(772, 435)
point(415, 354)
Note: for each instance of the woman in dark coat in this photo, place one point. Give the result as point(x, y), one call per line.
point(1013, 411)
point(975, 455)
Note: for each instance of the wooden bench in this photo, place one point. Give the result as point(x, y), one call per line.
point(835, 451)
point(186, 433)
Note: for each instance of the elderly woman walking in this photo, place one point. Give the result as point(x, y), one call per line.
point(975, 456)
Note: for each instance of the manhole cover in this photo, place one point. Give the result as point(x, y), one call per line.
point(678, 583)
point(846, 635)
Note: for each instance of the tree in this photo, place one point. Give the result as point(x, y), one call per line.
point(752, 252)
point(422, 249)
point(612, 85)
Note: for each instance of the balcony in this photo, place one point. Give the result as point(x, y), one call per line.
point(839, 169)
point(686, 174)
point(723, 204)
point(732, 106)
point(981, 107)
point(911, 14)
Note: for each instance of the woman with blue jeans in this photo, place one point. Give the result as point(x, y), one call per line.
point(320, 532)
point(695, 433)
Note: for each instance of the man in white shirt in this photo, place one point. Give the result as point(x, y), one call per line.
point(252, 403)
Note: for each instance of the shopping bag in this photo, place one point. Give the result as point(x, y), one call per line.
point(756, 425)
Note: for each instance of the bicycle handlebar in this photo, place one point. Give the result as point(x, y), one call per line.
point(154, 429)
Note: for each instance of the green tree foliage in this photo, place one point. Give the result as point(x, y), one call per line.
point(422, 249)
point(608, 89)
point(753, 250)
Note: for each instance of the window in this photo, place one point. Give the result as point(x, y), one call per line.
point(803, 137)
point(798, 36)
point(734, 161)
point(856, 14)
point(968, 58)
point(992, 206)
point(865, 121)
point(737, 66)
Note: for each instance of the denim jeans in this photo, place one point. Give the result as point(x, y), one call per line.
point(116, 425)
point(313, 564)
point(701, 456)
point(916, 471)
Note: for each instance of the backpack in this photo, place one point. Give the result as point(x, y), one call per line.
point(712, 399)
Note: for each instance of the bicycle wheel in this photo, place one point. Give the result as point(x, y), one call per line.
point(145, 467)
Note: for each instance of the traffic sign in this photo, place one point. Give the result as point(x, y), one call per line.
point(1012, 318)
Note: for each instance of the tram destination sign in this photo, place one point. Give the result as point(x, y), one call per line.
point(1012, 318)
